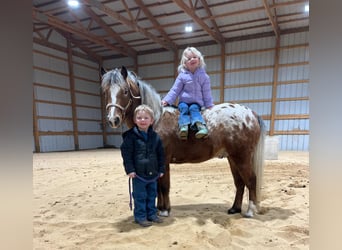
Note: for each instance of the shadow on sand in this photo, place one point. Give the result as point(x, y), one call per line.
point(216, 212)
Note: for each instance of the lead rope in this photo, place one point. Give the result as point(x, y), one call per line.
point(130, 192)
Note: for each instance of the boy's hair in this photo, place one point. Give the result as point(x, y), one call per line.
point(144, 107)
point(184, 58)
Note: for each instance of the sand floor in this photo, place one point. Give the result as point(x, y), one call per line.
point(81, 201)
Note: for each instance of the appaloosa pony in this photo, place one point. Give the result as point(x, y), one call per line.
point(235, 132)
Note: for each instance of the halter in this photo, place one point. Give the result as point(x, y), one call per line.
point(123, 109)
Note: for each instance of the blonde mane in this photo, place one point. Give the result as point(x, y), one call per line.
point(148, 95)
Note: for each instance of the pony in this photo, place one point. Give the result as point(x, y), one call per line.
point(235, 132)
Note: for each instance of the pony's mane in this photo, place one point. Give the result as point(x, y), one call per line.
point(148, 94)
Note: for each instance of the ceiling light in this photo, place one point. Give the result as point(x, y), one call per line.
point(306, 8)
point(188, 28)
point(73, 3)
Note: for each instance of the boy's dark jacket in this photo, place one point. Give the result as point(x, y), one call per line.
point(145, 158)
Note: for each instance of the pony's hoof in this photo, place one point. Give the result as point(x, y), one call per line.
point(164, 213)
point(234, 210)
point(249, 214)
point(252, 208)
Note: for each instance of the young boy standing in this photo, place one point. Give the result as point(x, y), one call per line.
point(144, 161)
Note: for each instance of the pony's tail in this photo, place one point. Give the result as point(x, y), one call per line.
point(259, 160)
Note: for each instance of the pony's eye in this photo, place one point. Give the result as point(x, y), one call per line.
point(125, 91)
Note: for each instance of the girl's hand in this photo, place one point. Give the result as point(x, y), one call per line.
point(132, 175)
point(164, 103)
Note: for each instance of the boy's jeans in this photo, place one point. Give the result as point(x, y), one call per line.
point(144, 195)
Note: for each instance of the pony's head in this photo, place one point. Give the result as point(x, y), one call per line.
point(122, 96)
point(124, 91)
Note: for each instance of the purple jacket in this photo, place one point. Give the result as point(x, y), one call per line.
point(191, 88)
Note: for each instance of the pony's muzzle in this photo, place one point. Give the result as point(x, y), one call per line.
point(114, 123)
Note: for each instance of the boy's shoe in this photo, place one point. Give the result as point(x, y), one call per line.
point(183, 132)
point(202, 131)
point(144, 223)
point(156, 219)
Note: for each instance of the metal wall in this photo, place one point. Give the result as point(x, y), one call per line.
point(293, 88)
point(56, 127)
point(276, 87)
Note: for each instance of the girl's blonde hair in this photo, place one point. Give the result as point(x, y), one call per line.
point(144, 107)
point(184, 58)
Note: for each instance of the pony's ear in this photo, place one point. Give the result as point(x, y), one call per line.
point(103, 71)
point(124, 72)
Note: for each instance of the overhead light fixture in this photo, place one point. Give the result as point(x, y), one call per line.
point(73, 3)
point(188, 28)
point(306, 8)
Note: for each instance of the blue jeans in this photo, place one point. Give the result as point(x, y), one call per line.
point(144, 195)
point(189, 114)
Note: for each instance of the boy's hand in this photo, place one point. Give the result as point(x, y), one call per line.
point(132, 175)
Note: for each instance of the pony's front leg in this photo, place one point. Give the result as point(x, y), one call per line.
point(163, 203)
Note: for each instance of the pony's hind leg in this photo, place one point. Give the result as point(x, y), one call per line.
point(240, 187)
point(243, 176)
point(252, 208)
point(163, 203)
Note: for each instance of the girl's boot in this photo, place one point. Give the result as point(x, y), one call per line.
point(183, 132)
point(202, 131)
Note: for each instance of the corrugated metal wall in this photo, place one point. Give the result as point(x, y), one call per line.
point(293, 91)
point(250, 70)
point(271, 78)
point(67, 105)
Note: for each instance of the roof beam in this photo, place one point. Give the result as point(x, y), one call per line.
point(296, 2)
point(55, 22)
point(125, 21)
point(218, 38)
point(109, 30)
point(156, 24)
point(210, 14)
point(272, 18)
